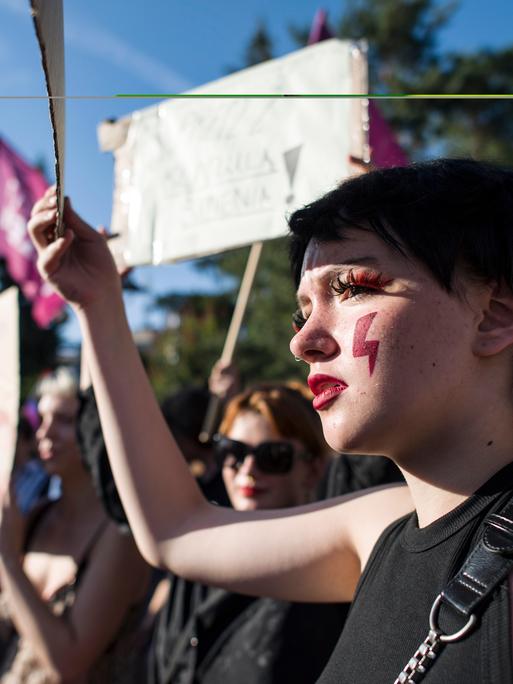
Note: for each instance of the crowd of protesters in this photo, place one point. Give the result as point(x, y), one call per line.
point(78, 602)
point(404, 277)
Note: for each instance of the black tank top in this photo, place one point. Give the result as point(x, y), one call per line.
point(406, 571)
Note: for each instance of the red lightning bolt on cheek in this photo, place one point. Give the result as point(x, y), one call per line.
point(362, 346)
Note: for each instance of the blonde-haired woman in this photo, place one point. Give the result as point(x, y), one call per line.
point(70, 581)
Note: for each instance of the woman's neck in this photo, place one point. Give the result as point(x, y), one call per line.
point(451, 480)
point(446, 466)
point(78, 494)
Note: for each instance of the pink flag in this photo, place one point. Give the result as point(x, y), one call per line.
point(385, 150)
point(20, 186)
point(320, 29)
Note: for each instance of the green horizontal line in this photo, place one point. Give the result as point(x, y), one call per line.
point(231, 96)
point(370, 96)
point(461, 96)
point(197, 96)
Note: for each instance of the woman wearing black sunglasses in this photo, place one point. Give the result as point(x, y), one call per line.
point(271, 453)
point(270, 448)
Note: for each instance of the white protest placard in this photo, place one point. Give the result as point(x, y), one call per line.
point(201, 175)
point(9, 380)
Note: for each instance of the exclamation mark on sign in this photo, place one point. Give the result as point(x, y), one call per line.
point(291, 160)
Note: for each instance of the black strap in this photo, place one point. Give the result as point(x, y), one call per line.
point(487, 565)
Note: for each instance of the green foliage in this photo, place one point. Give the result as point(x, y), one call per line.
point(404, 57)
point(263, 352)
point(481, 128)
point(260, 47)
point(402, 38)
point(185, 354)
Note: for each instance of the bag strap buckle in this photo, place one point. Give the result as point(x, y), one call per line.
point(455, 636)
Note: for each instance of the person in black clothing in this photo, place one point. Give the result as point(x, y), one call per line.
point(209, 635)
point(271, 453)
point(352, 472)
point(270, 640)
point(405, 292)
point(184, 412)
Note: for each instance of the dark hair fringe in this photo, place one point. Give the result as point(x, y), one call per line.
point(442, 213)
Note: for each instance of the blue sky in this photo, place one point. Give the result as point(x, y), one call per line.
point(158, 46)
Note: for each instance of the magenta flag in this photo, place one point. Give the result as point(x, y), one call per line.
point(319, 29)
point(384, 148)
point(20, 186)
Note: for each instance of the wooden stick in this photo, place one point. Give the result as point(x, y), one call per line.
point(215, 403)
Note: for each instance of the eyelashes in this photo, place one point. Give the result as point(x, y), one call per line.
point(356, 284)
point(298, 321)
point(351, 285)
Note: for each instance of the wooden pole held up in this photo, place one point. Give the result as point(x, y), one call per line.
point(215, 403)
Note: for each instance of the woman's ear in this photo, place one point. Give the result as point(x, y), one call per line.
point(495, 330)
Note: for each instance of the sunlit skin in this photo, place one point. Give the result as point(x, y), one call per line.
point(248, 488)
point(424, 377)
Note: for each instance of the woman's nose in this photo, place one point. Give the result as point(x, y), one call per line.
point(44, 430)
point(313, 343)
point(248, 465)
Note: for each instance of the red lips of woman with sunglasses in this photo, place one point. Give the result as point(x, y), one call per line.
point(326, 389)
point(247, 486)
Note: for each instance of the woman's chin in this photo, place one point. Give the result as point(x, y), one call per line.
point(352, 441)
point(242, 503)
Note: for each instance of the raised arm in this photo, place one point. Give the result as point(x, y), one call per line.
point(304, 554)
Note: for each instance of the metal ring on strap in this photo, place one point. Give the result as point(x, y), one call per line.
point(456, 636)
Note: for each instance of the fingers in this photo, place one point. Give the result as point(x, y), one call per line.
point(41, 226)
point(47, 201)
point(50, 258)
point(42, 222)
point(124, 270)
point(359, 165)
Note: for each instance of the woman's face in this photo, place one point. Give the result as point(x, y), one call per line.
point(390, 352)
point(250, 489)
point(56, 436)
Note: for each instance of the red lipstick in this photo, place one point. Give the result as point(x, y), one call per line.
point(326, 389)
point(249, 492)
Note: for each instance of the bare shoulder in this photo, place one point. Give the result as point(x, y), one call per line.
point(114, 556)
point(115, 543)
